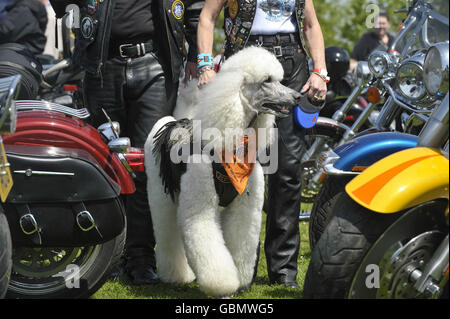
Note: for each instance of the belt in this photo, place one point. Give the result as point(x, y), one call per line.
point(275, 39)
point(284, 44)
point(129, 50)
point(280, 51)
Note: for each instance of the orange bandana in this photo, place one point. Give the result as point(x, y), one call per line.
point(240, 167)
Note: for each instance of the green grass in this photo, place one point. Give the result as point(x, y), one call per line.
point(121, 289)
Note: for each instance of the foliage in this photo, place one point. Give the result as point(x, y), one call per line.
point(346, 20)
point(219, 35)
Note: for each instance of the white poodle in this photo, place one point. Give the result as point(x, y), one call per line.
point(195, 240)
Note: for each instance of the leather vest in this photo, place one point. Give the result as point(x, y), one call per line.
point(93, 34)
point(238, 21)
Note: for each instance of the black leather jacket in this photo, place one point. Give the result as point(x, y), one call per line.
point(177, 21)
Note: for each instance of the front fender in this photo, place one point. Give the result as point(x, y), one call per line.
point(361, 152)
point(402, 180)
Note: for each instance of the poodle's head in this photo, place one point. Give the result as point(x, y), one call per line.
point(260, 73)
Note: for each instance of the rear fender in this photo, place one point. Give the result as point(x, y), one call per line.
point(402, 180)
point(54, 129)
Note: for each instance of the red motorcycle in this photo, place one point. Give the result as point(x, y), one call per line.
point(65, 209)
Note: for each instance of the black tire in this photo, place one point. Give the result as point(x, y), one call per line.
point(341, 248)
point(5, 254)
point(92, 279)
point(323, 209)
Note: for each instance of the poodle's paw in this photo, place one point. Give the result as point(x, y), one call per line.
point(246, 276)
point(176, 278)
point(220, 285)
point(176, 274)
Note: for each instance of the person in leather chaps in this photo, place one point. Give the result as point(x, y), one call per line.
point(254, 22)
point(132, 66)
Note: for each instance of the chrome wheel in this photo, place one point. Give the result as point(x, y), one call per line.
point(406, 245)
point(401, 260)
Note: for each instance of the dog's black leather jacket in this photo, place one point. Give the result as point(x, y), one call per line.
point(239, 16)
point(178, 19)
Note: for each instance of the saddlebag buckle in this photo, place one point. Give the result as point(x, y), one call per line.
point(85, 221)
point(28, 224)
point(30, 227)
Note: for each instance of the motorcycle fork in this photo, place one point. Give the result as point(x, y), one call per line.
point(387, 114)
point(340, 114)
point(435, 275)
point(362, 118)
point(318, 147)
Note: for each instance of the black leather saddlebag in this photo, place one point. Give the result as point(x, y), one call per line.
point(61, 197)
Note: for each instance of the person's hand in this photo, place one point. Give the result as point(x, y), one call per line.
point(190, 72)
point(316, 87)
point(206, 77)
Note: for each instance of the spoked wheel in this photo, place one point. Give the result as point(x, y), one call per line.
point(359, 243)
point(64, 272)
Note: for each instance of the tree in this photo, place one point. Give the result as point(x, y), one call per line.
point(355, 18)
point(330, 15)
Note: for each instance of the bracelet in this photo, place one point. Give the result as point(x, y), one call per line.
point(325, 78)
point(204, 69)
point(204, 59)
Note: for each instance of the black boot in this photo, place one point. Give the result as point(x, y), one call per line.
point(140, 243)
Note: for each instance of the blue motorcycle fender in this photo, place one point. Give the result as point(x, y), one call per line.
point(361, 152)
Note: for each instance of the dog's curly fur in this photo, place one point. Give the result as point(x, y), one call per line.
point(196, 241)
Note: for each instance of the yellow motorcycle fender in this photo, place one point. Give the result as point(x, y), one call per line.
point(402, 180)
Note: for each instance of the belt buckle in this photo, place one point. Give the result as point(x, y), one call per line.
point(277, 51)
point(121, 47)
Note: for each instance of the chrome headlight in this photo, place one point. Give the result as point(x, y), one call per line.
point(363, 74)
point(380, 63)
point(410, 78)
point(436, 69)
